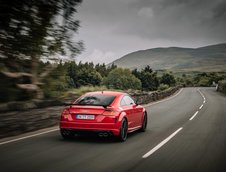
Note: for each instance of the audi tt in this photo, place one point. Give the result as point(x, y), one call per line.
point(105, 113)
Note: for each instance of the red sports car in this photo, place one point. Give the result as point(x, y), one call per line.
point(105, 113)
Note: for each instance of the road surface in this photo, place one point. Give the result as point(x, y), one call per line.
point(186, 133)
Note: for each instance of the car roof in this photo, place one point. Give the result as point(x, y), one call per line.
point(113, 93)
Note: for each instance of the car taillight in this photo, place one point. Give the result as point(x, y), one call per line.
point(66, 116)
point(114, 114)
point(111, 112)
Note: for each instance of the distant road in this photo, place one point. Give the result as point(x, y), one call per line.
point(186, 133)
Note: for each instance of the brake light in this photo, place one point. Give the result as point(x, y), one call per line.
point(111, 112)
point(66, 116)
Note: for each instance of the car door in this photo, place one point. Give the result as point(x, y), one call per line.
point(137, 112)
point(131, 111)
point(128, 109)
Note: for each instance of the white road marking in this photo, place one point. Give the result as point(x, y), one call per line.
point(201, 106)
point(161, 144)
point(163, 99)
point(202, 95)
point(29, 136)
point(204, 101)
point(194, 115)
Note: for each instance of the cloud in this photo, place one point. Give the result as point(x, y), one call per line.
point(98, 56)
point(180, 20)
point(123, 26)
point(146, 12)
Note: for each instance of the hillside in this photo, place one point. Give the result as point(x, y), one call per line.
point(208, 58)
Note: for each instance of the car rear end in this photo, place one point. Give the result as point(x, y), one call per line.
point(91, 118)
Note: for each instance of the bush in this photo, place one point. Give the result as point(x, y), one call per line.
point(148, 78)
point(204, 82)
point(163, 87)
point(121, 79)
point(83, 74)
point(222, 86)
point(168, 79)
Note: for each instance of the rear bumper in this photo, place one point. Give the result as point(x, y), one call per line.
point(88, 132)
point(113, 128)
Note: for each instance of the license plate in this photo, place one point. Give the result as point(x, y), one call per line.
point(84, 116)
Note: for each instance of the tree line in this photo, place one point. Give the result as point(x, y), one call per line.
point(71, 75)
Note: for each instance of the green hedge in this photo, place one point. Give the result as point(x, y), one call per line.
point(222, 86)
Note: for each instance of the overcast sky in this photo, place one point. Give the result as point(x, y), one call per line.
point(113, 28)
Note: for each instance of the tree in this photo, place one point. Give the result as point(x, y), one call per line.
point(83, 74)
point(148, 69)
point(149, 81)
point(168, 79)
point(35, 30)
point(122, 79)
point(148, 78)
point(104, 70)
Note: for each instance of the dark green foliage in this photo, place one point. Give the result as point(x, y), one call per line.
point(148, 69)
point(222, 86)
point(83, 74)
point(149, 81)
point(103, 69)
point(148, 78)
point(168, 79)
point(207, 79)
point(163, 87)
point(122, 79)
point(204, 79)
point(87, 74)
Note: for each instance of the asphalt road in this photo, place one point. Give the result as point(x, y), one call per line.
point(178, 139)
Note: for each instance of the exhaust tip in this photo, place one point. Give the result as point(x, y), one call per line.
point(105, 134)
point(101, 134)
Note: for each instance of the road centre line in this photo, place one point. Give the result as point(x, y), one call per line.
point(201, 106)
point(194, 115)
point(173, 134)
point(161, 144)
point(202, 95)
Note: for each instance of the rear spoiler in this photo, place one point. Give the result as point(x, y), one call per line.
point(71, 104)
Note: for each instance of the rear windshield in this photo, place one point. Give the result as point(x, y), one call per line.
point(97, 99)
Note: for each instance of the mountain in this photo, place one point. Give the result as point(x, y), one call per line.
point(208, 58)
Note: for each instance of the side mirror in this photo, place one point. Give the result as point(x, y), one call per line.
point(66, 104)
point(136, 102)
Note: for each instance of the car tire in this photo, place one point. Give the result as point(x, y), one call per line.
point(123, 130)
point(66, 134)
point(144, 123)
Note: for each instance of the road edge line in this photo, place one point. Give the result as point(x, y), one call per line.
point(163, 100)
point(28, 136)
